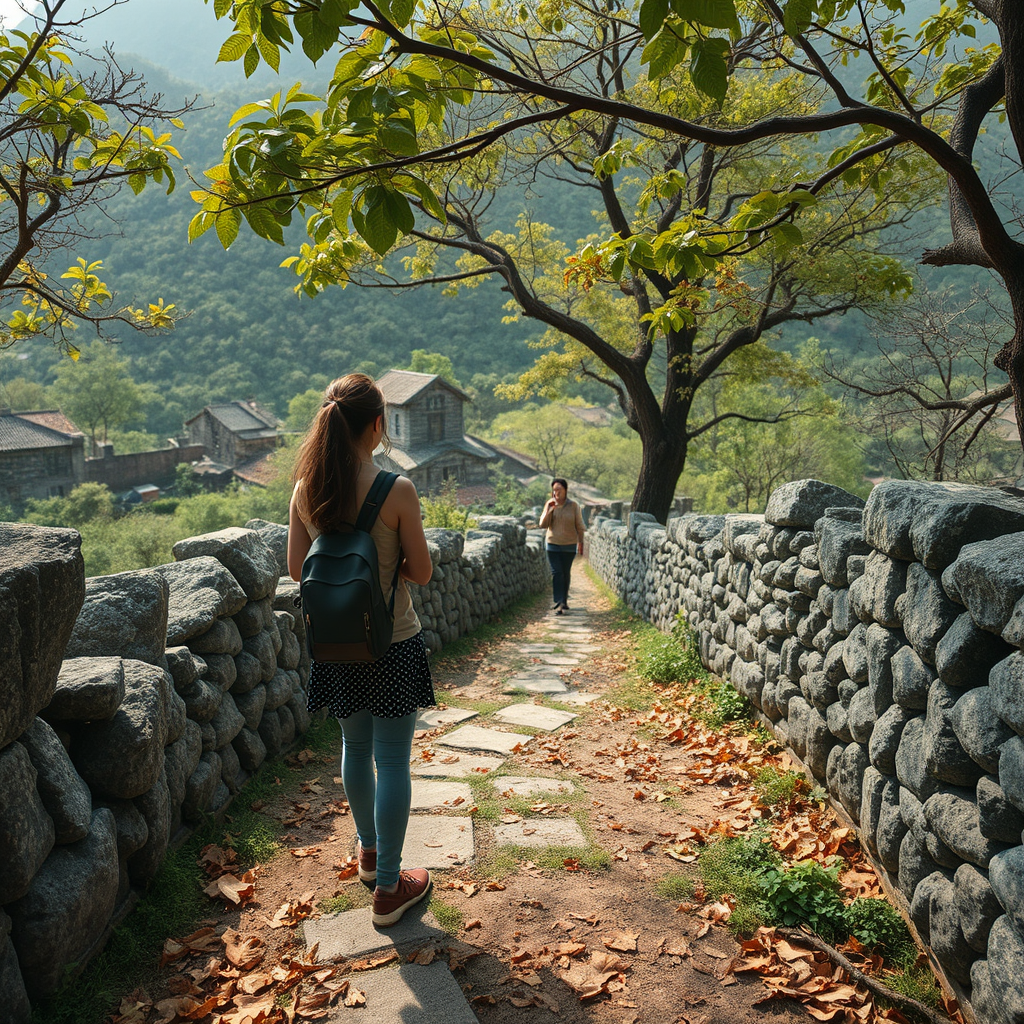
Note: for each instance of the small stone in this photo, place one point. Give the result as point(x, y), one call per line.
point(911, 679)
point(250, 748)
point(873, 596)
point(885, 738)
point(862, 717)
point(251, 705)
point(946, 937)
point(222, 637)
point(945, 756)
point(1006, 684)
point(855, 654)
point(184, 666)
point(1006, 876)
point(1011, 770)
point(155, 807)
point(998, 988)
point(915, 864)
point(911, 769)
point(978, 728)
point(851, 778)
point(997, 817)
point(872, 792)
point(891, 827)
point(976, 904)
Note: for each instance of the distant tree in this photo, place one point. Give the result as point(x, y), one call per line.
point(69, 139)
point(23, 395)
point(302, 408)
point(97, 391)
point(85, 504)
point(186, 483)
point(422, 361)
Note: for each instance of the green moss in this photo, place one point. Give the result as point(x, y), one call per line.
point(449, 917)
point(335, 904)
point(675, 886)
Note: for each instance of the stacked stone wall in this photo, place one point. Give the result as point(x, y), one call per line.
point(133, 705)
point(883, 645)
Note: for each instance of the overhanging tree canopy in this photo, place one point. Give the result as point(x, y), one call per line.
point(73, 128)
point(730, 193)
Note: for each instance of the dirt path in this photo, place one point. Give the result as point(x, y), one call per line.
point(602, 927)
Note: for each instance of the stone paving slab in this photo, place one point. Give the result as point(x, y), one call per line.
point(434, 717)
point(476, 737)
point(462, 766)
point(558, 659)
point(541, 832)
point(534, 716)
point(410, 994)
point(571, 636)
point(437, 843)
point(576, 698)
point(524, 785)
point(536, 648)
point(352, 933)
point(581, 648)
point(536, 684)
point(429, 796)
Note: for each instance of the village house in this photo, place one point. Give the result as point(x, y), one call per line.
point(426, 425)
point(42, 455)
point(234, 433)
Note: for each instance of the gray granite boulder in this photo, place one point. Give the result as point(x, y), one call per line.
point(12, 985)
point(252, 618)
point(65, 796)
point(1011, 770)
point(42, 586)
point(124, 756)
point(997, 985)
point(997, 817)
point(184, 666)
point(201, 787)
point(1006, 876)
point(222, 637)
point(278, 690)
point(911, 768)
point(976, 904)
point(447, 545)
point(221, 670)
point(915, 864)
point(978, 728)
point(880, 645)
point(944, 754)
point(802, 503)
point(1006, 683)
point(925, 611)
point(251, 706)
point(839, 535)
point(262, 648)
point(228, 721)
point(912, 679)
point(64, 914)
point(202, 701)
point(850, 781)
point(250, 748)
point(855, 654)
point(891, 827)
point(180, 761)
point(885, 738)
point(945, 935)
point(988, 578)
point(889, 513)
point(87, 689)
point(201, 591)
point(861, 716)
point(965, 654)
point(125, 614)
point(953, 816)
point(275, 536)
point(27, 835)
point(270, 733)
point(873, 595)
point(243, 552)
point(873, 786)
point(155, 807)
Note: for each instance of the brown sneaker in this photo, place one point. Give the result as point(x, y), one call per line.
point(388, 907)
point(367, 864)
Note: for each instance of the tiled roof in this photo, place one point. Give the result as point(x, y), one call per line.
point(478, 493)
point(20, 434)
point(247, 419)
point(52, 418)
point(259, 470)
point(401, 386)
point(409, 458)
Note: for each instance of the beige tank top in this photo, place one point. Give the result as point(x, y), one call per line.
point(407, 623)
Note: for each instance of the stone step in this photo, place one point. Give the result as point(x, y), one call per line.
point(536, 684)
point(541, 832)
point(352, 934)
point(530, 785)
point(558, 659)
point(439, 796)
point(432, 718)
point(476, 737)
point(576, 698)
point(534, 716)
point(438, 843)
point(447, 764)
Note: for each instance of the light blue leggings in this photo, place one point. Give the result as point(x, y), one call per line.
point(380, 806)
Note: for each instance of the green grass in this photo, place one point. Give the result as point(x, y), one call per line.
point(449, 917)
point(916, 981)
point(675, 886)
point(175, 903)
point(335, 904)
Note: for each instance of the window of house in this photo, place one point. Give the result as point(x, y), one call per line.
point(397, 423)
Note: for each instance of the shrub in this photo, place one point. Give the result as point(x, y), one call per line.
point(876, 924)
point(806, 893)
point(444, 511)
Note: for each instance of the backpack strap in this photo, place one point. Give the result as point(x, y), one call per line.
point(379, 490)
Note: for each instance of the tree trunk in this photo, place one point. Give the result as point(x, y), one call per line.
point(661, 464)
point(1011, 357)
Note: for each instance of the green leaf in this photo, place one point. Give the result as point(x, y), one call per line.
point(245, 111)
point(270, 51)
point(786, 235)
point(227, 226)
point(663, 53)
point(708, 70)
point(373, 221)
point(221, 7)
point(335, 12)
point(798, 15)
point(252, 61)
point(652, 14)
point(340, 209)
point(199, 225)
point(710, 13)
point(398, 11)
point(419, 188)
point(234, 47)
point(399, 212)
point(397, 136)
point(262, 220)
point(137, 181)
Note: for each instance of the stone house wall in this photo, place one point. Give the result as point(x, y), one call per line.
point(121, 472)
point(133, 705)
point(883, 646)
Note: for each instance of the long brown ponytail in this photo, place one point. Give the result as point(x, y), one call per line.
point(328, 462)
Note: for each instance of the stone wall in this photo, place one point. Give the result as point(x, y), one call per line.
point(883, 645)
point(133, 705)
point(122, 472)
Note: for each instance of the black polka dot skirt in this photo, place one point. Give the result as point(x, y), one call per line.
point(390, 687)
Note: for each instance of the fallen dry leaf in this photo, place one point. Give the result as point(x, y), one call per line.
point(624, 942)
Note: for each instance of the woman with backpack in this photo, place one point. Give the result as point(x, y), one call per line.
point(375, 701)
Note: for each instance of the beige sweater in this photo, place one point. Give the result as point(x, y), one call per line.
point(564, 523)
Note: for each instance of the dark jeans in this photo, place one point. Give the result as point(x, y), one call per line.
point(561, 573)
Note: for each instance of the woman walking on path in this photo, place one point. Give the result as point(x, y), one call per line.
point(375, 702)
point(564, 523)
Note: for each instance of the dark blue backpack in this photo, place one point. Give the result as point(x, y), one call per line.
point(346, 616)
